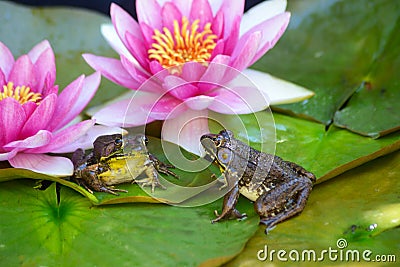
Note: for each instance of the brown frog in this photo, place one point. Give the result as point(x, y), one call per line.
point(114, 161)
point(278, 188)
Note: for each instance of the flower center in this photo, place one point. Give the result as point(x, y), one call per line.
point(22, 94)
point(185, 44)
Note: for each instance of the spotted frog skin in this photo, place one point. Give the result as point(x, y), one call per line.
point(278, 188)
point(114, 161)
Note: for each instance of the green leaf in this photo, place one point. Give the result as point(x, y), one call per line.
point(361, 206)
point(40, 229)
point(70, 31)
point(336, 48)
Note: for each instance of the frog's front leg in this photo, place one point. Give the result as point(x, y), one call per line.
point(229, 210)
point(151, 179)
point(78, 157)
point(279, 204)
point(162, 167)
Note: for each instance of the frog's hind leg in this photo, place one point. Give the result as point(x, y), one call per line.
point(228, 209)
point(276, 206)
point(111, 190)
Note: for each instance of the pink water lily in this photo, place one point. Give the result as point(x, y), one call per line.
point(190, 50)
point(35, 119)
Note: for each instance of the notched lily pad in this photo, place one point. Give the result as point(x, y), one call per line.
point(40, 229)
point(334, 48)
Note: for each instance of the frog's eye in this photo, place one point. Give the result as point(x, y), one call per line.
point(224, 155)
point(118, 142)
point(218, 141)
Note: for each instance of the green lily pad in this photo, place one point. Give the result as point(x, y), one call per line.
point(60, 228)
point(335, 48)
point(360, 208)
point(70, 31)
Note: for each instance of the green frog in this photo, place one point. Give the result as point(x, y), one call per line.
point(278, 188)
point(115, 160)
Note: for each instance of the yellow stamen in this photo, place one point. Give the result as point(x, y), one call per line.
point(22, 94)
point(185, 44)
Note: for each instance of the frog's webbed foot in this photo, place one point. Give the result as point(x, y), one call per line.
point(228, 209)
point(162, 167)
point(229, 214)
point(151, 180)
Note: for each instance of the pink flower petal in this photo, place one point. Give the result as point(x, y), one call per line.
point(29, 107)
point(260, 13)
point(179, 88)
point(149, 13)
point(112, 69)
point(240, 97)
point(112, 38)
point(127, 112)
point(164, 107)
point(218, 49)
point(244, 53)
point(134, 70)
point(199, 102)
point(215, 5)
point(63, 139)
point(215, 74)
point(38, 50)
point(138, 50)
point(45, 69)
point(39, 139)
point(124, 23)
point(217, 25)
point(231, 38)
point(7, 60)
point(8, 155)
point(55, 166)
point(3, 80)
point(65, 102)
point(233, 11)
point(22, 72)
point(147, 32)
point(12, 117)
point(201, 10)
point(184, 6)
point(86, 141)
point(169, 13)
point(192, 71)
point(186, 129)
point(40, 117)
point(271, 30)
point(89, 88)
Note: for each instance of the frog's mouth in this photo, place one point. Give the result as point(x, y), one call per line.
point(209, 147)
